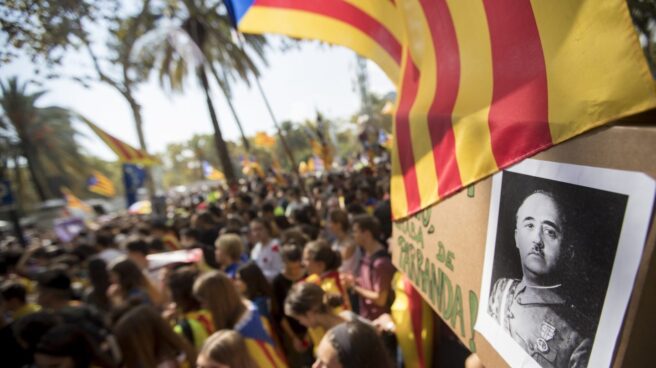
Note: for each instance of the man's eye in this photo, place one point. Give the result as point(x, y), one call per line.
point(529, 225)
point(551, 233)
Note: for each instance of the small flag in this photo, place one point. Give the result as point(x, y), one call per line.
point(75, 205)
point(262, 139)
point(100, 184)
point(211, 173)
point(251, 167)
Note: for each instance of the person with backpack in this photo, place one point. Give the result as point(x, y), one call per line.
point(373, 282)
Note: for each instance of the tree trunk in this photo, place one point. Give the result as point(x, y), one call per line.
point(244, 140)
point(219, 143)
point(34, 167)
point(138, 123)
point(20, 192)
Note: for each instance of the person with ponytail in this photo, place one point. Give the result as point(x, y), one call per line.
point(218, 294)
point(321, 263)
point(312, 307)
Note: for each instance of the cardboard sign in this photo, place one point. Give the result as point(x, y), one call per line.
point(442, 250)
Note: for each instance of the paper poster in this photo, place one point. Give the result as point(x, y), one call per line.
point(563, 247)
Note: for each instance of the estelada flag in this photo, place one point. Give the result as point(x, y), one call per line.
point(481, 84)
point(75, 205)
point(100, 184)
point(125, 152)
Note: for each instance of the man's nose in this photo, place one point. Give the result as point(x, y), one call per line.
point(537, 237)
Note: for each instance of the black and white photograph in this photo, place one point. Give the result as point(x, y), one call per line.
point(563, 248)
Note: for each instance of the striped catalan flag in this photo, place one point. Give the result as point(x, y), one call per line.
point(481, 84)
point(125, 152)
point(371, 28)
point(100, 184)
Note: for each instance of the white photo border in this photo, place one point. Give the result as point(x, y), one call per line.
point(640, 189)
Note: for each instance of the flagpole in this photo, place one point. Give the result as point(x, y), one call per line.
point(285, 146)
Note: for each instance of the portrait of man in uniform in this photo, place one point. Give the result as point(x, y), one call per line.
point(562, 251)
point(535, 310)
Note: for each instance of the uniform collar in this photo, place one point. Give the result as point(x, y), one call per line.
point(533, 295)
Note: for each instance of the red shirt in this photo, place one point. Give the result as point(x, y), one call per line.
point(377, 276)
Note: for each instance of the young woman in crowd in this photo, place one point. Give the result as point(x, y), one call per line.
point(99, 279)
point(229, 249)
point(321, 264)
point(252, 284)
point(192, 322)
point(128, 282)
point(218, 294)
point(147, 340)
point(352, 345)
point(309, 304)
point(225, 349)
point(292, 332)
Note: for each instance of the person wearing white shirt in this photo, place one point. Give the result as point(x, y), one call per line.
point(266, 252)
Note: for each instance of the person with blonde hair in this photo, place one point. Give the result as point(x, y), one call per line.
point(228, 251)
point(218, 294)
point(225, 348)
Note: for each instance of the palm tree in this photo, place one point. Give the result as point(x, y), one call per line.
point(202, 41)
point(44, 137)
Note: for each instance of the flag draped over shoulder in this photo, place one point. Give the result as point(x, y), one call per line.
point(100, 184)
point(481, 84)
point(125, 152)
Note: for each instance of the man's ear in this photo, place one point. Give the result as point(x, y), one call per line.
point(516, 242)
point(571, 250)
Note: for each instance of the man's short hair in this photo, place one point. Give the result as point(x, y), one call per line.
point(339, 217)
point(138, 246)
point(367, 223)
point(562, 214)
point(291, 253)
point(14, 290)
point(231, 245)
point(54, 279)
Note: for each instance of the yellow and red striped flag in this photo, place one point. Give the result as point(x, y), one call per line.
point(481, 84)
point(125, 152)
point(100, 184)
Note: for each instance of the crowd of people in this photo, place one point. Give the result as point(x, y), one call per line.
point(292, 274)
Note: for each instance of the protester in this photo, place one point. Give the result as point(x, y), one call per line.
point(293, 333)
point(229, 249)
point(352, 345)
point(14, 295)
point(373, 284)
point(350, 252)
point(129, 282)
point(192, 322)
point(321, 263)
point(266, 252)
point(252, 284)
point(146, 340)
point(225, 348)
point(218, 294)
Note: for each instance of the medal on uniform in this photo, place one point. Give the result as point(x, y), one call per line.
point(547, 333)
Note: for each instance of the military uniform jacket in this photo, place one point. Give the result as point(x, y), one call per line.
point(540, 320)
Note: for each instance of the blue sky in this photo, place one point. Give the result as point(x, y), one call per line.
point(297, 82)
